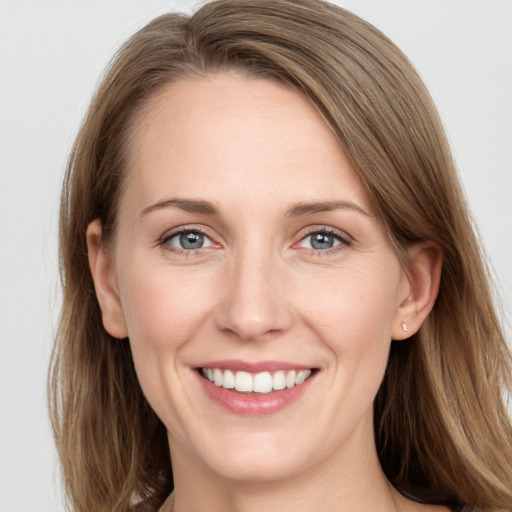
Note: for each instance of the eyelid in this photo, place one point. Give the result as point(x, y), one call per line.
point(329, 230)
point(171, 233)
point(344, 239)
point(205, 238)
point(163, 241)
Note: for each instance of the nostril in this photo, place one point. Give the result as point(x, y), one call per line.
point(251, 323)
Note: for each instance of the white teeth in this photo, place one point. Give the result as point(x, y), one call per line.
point(290, 379)
point(229, 380)
point(263, 382)
point(279, 380)
point(302, 376)
point(217, 377)
point(243, 381)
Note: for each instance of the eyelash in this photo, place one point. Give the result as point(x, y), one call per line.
point(165, 239)
point(344, 240)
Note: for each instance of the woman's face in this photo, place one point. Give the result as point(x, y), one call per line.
point(247, 253)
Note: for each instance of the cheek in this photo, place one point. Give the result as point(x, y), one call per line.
point(355, 304)
point(163, 312)
point(162, 308)
point(352, 315)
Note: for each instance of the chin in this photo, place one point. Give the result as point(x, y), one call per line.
point(256, 469)
point(256, 459)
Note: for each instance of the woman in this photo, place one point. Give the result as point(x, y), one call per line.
point(270, 279)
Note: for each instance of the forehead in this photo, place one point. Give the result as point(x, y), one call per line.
point(208, 136)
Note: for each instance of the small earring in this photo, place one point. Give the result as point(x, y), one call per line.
point(404, 327)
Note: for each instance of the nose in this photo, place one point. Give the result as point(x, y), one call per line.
point(254, 304)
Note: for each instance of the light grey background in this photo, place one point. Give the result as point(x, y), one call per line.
point(52, 54)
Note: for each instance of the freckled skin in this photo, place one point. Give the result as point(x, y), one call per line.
point(256, 290)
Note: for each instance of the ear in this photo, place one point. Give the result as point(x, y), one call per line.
point(420, 289)
point(105, 282)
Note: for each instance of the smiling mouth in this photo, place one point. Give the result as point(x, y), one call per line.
point(258, 383)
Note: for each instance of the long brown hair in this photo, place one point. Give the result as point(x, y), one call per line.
point(442, 431)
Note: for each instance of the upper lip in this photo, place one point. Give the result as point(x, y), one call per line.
point(254, 366)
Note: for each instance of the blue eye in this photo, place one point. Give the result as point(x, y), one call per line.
point(189, 240)
point(323, 240)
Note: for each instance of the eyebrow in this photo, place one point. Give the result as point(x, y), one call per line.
point(296, 210)
point(187, 205)
point(308, 208)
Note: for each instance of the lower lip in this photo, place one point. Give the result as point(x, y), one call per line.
point(253, 404)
